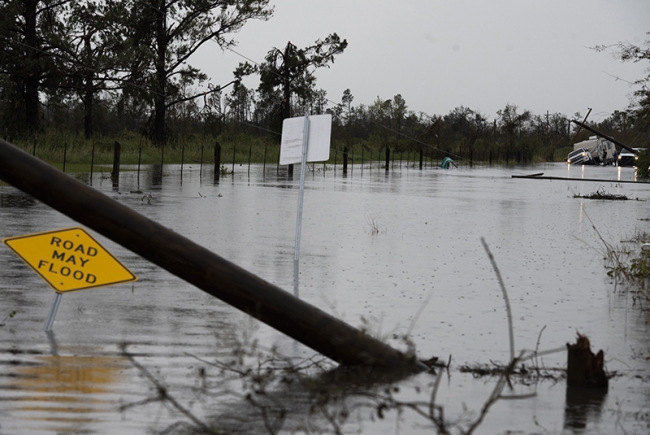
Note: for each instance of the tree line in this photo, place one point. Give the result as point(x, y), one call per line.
point(124, 63)
point(104, 67)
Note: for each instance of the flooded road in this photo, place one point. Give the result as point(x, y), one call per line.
point(398, 253)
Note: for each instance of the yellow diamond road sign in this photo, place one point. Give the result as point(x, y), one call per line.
point(69, 259)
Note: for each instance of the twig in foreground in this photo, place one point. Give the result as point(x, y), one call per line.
point(163, 395)
point(505, 297)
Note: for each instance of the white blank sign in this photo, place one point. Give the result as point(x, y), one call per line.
point(320, 132)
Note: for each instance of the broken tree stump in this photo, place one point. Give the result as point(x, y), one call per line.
point(584, 369)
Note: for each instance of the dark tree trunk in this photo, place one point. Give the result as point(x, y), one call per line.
point(286, 99)
point(159, 128)
point(89, 93)
point(88, 109)
point(31, 73)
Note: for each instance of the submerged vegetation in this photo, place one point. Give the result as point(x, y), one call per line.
point(7, 317)
point(259, 390)
point(629, 264)
point(601, 194)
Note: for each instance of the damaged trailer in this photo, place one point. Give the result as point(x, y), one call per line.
point(594, 151)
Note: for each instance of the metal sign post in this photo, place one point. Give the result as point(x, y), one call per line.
point(304, 139)
point(55, 306)
point(303, 166)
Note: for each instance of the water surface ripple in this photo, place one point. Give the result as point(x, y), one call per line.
point(397, 252)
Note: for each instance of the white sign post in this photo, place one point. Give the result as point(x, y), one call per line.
point(304, 139)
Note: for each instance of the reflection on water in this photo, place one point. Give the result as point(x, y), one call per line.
point(16, 200)
point(62, 393)
point(583, 406)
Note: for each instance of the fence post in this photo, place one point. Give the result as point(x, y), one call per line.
point(234, 145)
point(387, 159)
point(250, 153)
point(92, 162)
point(345, 159)
point(264, 165)
point(182, 160)
point(139, 161)
point(65, 152)
point(362, 160)
point(201, 164)
point(217, 160)
point(115, 173)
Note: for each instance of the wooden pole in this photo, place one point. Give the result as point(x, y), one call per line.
point(362, 160)
point(201, 163)
point(250, 153)
point(117, 151)
point(92, 162)
point(604, 136)
point(264, 165)
point(217, 160)
point(139, 160)
point(182, 160)
point(387, 159)
point(234, 146)
point(65, 153)
point(197, 265)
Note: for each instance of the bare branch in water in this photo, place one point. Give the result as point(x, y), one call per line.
point(163, 395)
point(505, 298)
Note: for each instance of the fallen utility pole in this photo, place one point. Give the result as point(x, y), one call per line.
point(197, 265)
point(604, 136)
point(541, 177)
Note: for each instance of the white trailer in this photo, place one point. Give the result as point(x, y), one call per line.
point(602, 151)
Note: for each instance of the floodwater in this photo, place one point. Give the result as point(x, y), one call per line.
point(397, 253)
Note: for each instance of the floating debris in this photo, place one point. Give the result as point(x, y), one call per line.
point(601, 194)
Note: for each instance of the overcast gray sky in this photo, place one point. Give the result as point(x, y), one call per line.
point(441, 54)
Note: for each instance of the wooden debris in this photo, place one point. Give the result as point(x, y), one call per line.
point(584, 369)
